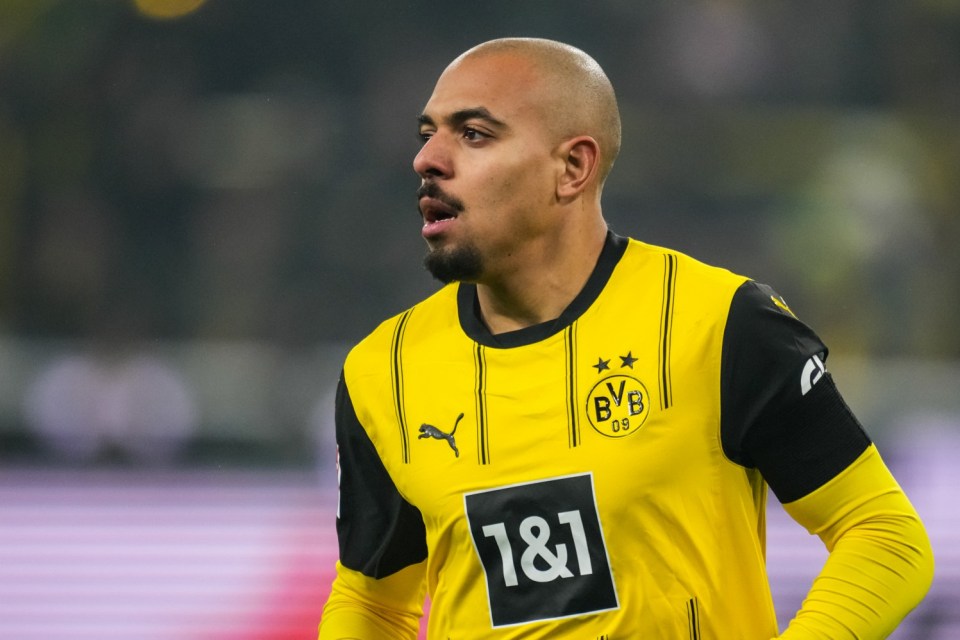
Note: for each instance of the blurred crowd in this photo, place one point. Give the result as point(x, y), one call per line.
point(239, 173)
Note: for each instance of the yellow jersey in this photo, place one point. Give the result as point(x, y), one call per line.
point(600, 476)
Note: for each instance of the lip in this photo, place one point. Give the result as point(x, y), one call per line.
point(437, 216)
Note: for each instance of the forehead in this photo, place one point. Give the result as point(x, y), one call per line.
point(506, 85)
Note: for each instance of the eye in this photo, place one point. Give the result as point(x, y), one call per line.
point(474, 135)
point(424, 135)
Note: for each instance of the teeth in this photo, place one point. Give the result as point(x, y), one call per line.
point(437, 216)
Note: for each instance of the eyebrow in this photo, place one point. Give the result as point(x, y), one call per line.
point(457, 118)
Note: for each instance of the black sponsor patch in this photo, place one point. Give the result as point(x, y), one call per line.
point(542, 549)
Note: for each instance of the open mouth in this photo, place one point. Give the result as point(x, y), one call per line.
point(439, 210)
point(434, 210)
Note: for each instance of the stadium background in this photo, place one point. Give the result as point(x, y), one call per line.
point(202, 204)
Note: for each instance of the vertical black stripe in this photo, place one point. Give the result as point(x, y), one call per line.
point(396, 380)
point(573, 420)
point(666, 329)
point(693, 618)
point(480, 367)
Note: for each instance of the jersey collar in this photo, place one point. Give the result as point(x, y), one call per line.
point(468, 307)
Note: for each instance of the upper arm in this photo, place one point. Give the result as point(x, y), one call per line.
point(379, 532)
point(780, 409)
point(379, 588)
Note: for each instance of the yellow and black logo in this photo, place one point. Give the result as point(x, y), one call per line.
point(617, 406)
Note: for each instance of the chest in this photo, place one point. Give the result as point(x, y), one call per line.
point(606, 397)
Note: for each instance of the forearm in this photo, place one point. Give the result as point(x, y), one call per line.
point(362, 608)
point(880, 564)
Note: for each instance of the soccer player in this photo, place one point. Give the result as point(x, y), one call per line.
point(574, 437)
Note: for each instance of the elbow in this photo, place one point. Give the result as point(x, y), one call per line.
point(924, 562)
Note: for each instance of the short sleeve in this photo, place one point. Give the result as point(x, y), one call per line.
point(379, 532)
point(780, 409)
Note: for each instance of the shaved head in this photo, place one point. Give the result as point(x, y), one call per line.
point(518, 136)
point(576, 95)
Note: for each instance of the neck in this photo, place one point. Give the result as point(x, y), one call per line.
point(550, 276)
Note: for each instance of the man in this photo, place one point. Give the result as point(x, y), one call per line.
point(573, 439)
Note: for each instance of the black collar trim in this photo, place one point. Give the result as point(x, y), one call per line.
point(469, 308)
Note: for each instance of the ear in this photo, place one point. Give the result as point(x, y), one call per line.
point(581, 159)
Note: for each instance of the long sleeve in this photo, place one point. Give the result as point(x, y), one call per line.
point(880, 564)
point(784, 415)
point(362, 608)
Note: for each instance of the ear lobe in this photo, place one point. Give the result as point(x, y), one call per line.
point(581, 157)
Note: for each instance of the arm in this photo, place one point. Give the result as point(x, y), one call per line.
point(369, 608)
point(880, 564)
point(783, 415)
point(379, 588)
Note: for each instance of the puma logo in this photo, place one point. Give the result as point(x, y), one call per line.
point(430, 431)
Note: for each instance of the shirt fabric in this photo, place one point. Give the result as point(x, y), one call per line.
point(602, 475)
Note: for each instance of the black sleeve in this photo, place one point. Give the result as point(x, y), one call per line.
point(780, 410)
point(379, 532)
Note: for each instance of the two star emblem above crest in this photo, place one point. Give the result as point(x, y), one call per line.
point(626, 362)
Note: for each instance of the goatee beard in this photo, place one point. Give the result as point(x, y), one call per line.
point(464, 264)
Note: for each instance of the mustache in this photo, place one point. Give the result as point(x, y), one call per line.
point(432, 190)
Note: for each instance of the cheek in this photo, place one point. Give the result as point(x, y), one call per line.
point(531, 198)
point(519, 187)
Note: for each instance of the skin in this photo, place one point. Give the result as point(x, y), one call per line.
point(516, 148)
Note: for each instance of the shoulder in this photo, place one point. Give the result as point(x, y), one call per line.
point(688, 285)
point(761, 322)
point(415, 323)
point(641, 255)
point(769, 359)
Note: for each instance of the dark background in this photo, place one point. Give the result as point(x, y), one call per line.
point(204, 203)
point(225, 188)
point(243, 172)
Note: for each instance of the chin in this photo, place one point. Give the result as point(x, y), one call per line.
point(463, 264)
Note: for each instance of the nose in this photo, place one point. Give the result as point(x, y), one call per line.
point(433, 159)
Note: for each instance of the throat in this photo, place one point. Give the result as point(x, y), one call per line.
point(504, 314)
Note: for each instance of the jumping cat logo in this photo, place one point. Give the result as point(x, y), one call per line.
point(430, 431)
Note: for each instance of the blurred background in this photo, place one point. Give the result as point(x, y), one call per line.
point(203, 204)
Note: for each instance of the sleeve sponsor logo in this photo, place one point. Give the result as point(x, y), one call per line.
point(813, 370)
point(542, 550)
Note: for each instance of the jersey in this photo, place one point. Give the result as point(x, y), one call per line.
point(598, 476)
